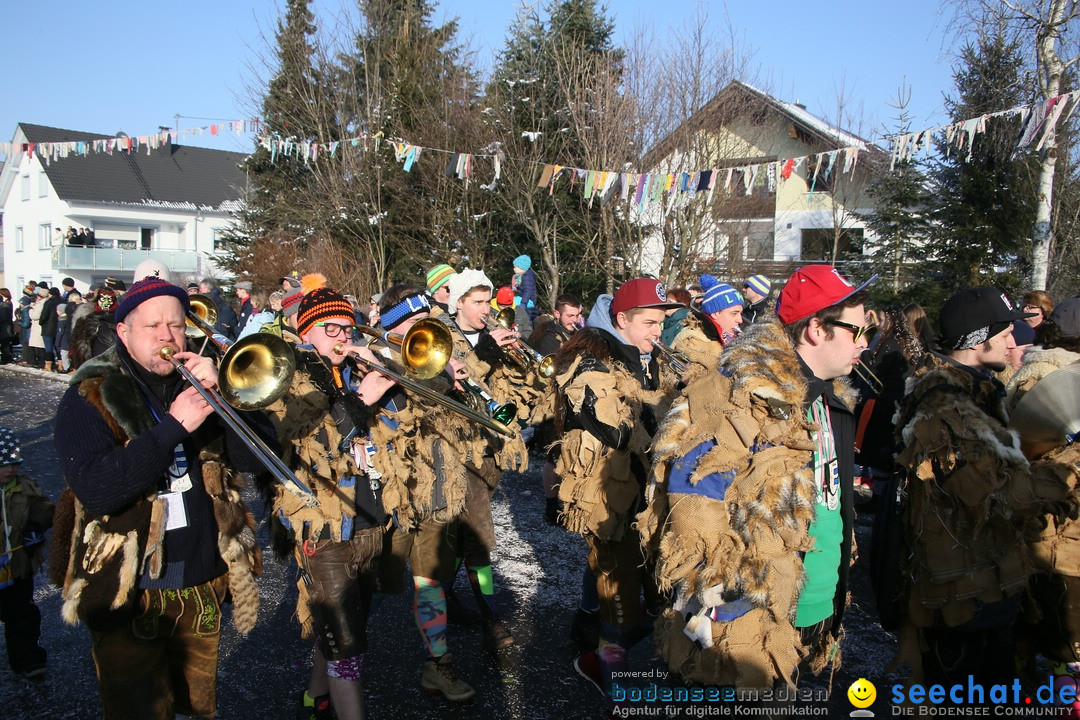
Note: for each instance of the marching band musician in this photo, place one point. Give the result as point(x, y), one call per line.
point(610, 394)
point(323, 424)
point(424, 488)
point(151, 533)
point(484, 355)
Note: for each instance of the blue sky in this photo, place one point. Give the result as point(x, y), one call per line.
point(129, 65)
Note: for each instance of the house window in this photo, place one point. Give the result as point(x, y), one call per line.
point(146, 238)
point(823, 181)
point(26, 187)
point(219, 241)
point(18, 239)
point(818, 243)
point(43, 184)
point(760, 245)
point(44, 238)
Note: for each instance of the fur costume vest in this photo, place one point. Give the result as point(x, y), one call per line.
point(106, 554)
point(25, 507)
point(732, 538)
point(602, 486)
point(969, 498)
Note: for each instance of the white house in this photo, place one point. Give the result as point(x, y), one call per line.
point(791, 190)
point(169, 204)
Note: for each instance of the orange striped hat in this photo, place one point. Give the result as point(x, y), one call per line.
point(320, 304)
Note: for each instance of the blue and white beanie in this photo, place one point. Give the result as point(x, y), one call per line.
point(718, 296)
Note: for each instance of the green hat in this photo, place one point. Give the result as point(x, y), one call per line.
point(438, 275)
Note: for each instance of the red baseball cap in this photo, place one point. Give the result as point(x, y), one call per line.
point(641, 293)
point(505, 296)
point(813, 288)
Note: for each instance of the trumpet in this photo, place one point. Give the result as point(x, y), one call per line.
point(425, 351)
point(521, 354)
point(252, 374)
point(676, 361)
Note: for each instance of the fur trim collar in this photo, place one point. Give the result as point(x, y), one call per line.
point(119, 394)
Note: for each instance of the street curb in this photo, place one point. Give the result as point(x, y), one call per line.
point(34, 372)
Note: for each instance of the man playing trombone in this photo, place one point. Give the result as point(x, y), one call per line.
point(150, 532)
point(323, 421)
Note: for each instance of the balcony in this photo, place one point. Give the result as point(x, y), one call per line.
point(120, 259)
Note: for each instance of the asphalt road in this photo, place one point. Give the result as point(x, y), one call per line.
point(537, 569)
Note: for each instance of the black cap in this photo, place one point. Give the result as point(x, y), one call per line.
point(969, 312)
point(1066, 316)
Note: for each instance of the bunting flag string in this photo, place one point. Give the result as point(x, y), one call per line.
point(640, 189)
point(49, 151)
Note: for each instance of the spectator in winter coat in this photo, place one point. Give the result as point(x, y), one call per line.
point(524, 284)
point(7, 327)
point(227, 321)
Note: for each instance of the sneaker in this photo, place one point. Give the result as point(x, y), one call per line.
point(496, 634)
point(317, 708)
point(585, 629)
point(587, 666)
point(439, 676)
point(459, 614)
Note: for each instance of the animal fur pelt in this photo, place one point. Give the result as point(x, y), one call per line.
point(92, 333)
point(106, 554)
point(746, 546)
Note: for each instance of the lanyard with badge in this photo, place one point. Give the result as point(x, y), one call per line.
point(179, 483)
point(826, 464)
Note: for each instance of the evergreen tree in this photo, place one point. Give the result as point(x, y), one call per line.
point(900, 222)
point(273, 225)
point(984, 204)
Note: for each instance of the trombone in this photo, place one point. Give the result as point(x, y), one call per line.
point(676, 361)
point(252, 374)
point(522, 354)
point(425, 351)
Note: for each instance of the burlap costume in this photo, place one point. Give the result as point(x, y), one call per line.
point(742, 544)
point(700, 341)
point(600, 489)
point(970, 500)
point(312, 445)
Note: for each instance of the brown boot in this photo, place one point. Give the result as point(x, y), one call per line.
point(48, 366)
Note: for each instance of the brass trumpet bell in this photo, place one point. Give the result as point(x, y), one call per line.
point(256, 371)
point(427, 348)
point(204, 308)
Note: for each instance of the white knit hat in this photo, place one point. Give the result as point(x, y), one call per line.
point(462, 283)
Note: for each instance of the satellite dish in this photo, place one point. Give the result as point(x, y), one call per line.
point(1049, 416)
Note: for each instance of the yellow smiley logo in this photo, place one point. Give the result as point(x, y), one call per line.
point(862, 693)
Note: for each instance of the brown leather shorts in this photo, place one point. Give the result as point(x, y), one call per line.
point(340, 578)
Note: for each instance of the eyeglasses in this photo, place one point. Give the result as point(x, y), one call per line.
point(332, 330)
point(858, 331)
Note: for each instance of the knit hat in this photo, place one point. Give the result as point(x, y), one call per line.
point(68, 282)
point(245, 285)
point(152, 268)
point(193, 287)
point(438, 275)
point(718, 296)
point(462, 283)
point(291, 303)
point(320, 304)
point(392, 315)
point(811, 289)
point(146, 289)
point(759, 284)
point(523, 261)
point(10, 449)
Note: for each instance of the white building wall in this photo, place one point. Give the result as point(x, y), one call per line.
point(186, 236)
